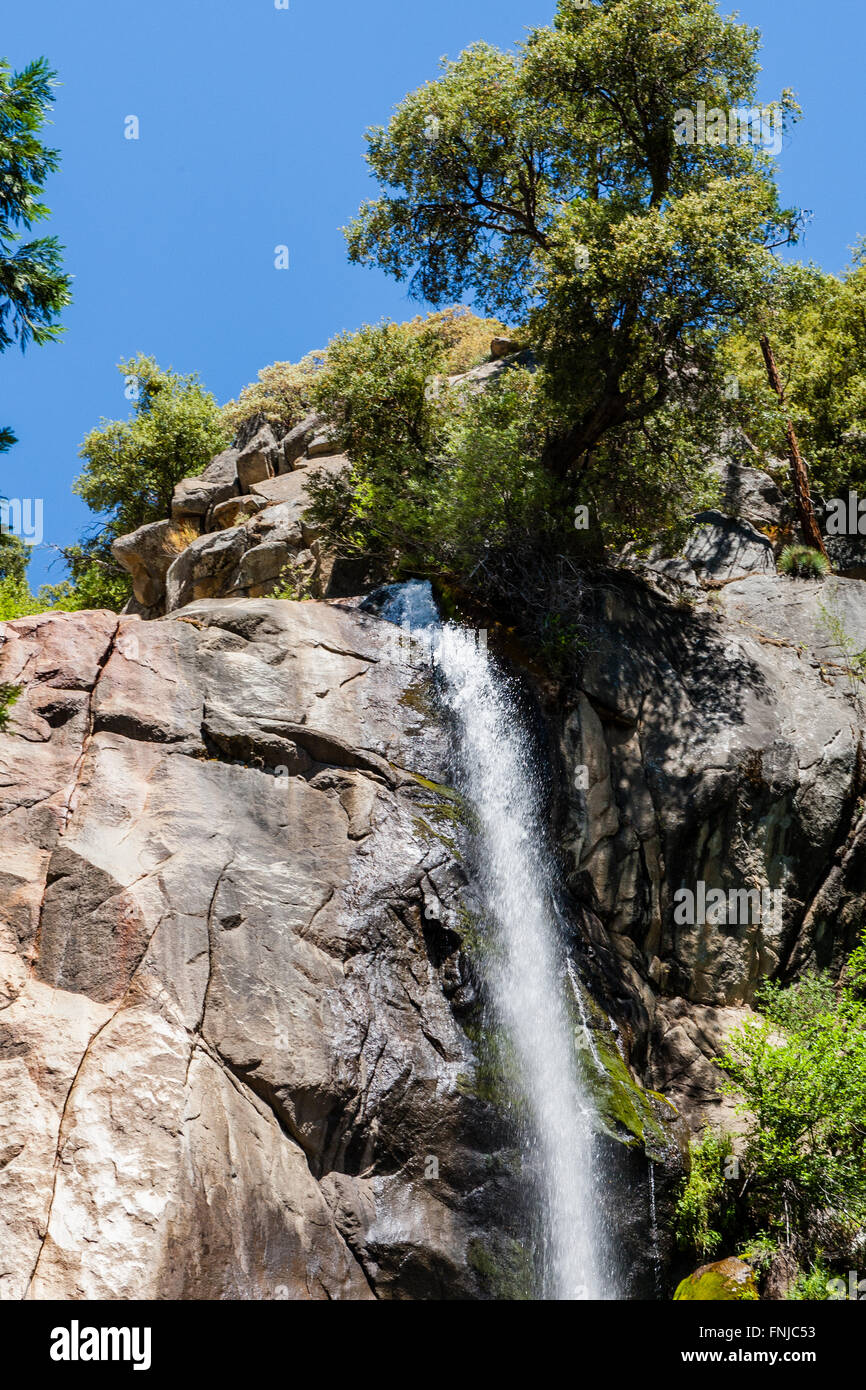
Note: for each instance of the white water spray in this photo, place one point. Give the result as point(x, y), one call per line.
point(528, 967)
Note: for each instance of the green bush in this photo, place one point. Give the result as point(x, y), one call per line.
point(798, 1074)
point(286, 391)
point(705, 1207)
point(811, 1287)
point(817, 325)
point(133, 466)
point(280, 395)
point(802, 562)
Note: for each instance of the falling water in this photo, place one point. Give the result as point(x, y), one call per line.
point(527, 969)
point(654, 1227)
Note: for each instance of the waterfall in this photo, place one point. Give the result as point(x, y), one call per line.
point(654, 1227)
point(527, 968)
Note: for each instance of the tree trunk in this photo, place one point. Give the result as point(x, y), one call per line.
point(799, 475)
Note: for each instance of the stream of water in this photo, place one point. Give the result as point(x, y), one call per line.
point(527, 972)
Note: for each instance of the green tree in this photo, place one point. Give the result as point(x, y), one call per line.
point(33, 286)
point(818, 326)
point(550, 183)
point(443, 481)
point(132, 467)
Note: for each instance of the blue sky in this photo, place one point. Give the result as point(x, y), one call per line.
point(251, 121)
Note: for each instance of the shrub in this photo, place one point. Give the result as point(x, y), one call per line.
point(16, 599)
point(813, 1287)
point(466, 337)
point(799, 1076)
point(280, 395)
point(286, 391)
point(705, 1207)
point(802, 562)
point(133, 466)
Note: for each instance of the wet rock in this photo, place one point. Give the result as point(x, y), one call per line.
point(723, 746)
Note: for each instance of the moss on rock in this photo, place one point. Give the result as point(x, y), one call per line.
point(507, 1269)
point(725, 1281)
point(626, 1111)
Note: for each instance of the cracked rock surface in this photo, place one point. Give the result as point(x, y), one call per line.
point(229, 947)
point(725, 745)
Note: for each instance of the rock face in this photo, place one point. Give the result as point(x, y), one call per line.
point(231, 1062)
point(722, 548)
point(720, 745)
point(241, 1028)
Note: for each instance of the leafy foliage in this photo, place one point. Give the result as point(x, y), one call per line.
point(449, 476)
point(132, 468)
point(14, 556)
point(8, 695)
point(799, 1075)
point(812, 1286)
point(280, 396)
point(548, 183)
point(446, 478)
point(818, 327)
point(705, 1207)
point(33, 286)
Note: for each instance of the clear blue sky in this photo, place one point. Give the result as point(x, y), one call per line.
point(251, 122)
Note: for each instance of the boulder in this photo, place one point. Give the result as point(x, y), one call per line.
point(206, 568)
point(478, 378)
point(294, 444)
point(147, 554)
point(722, 1282)
point(235, 511)
point(257, 460)
point(722, 548)
point(322, 445)
point(751, 495)
point(503, 347)
point(194, 497)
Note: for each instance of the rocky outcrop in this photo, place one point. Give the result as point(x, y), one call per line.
point(237, 527)
point(723, 548)
point(231, 979)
